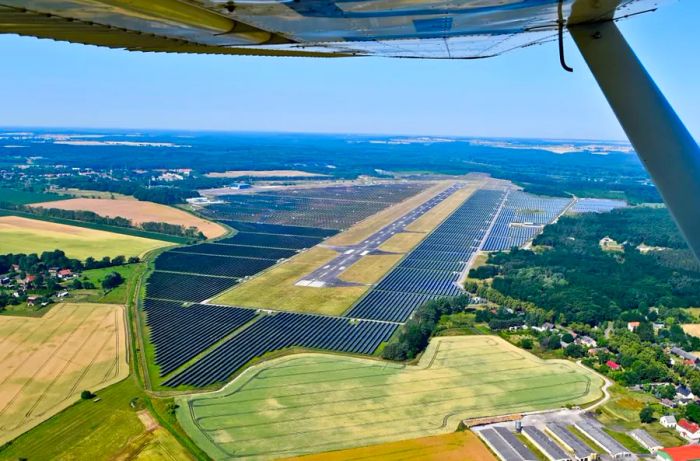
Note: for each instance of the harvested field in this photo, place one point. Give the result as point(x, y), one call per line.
point(48, 361)
point(312, 403)
point(692, 329)
point(263, 174)
point(276, 289)
point(138, 212)
point(370, 268)
point(23, 235)
point(457, 446)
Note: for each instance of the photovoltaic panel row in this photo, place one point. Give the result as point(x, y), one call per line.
point(382, 305)
point(266, 228)
point(186, 287)
point(420, 281)
point(271, 240)
point(522, 217)
point(181, 333)
point(279, 331)
point(237, 250)
point(227, 266)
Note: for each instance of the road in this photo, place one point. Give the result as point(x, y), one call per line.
point(328, 274)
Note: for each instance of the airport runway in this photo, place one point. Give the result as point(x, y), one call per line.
point(328, 275)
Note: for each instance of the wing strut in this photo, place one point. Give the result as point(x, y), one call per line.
point(662, 142)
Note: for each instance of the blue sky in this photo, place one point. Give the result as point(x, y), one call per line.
point(520, 94)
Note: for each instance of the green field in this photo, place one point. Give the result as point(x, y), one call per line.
point(21, 197)
point(22, 235)
point(86, 430)
point(311, 403)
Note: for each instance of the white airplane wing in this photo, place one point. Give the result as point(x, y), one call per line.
point(397, 28)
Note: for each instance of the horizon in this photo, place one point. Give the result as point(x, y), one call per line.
point(100, 87)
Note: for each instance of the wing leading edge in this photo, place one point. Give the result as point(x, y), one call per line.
point(457, 29)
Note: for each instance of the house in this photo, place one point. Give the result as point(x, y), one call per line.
point(15, 267)
point(53, 271)
point(657, 326)
point(687, 430)
point(668, 421)
point(28, 279)
point(31, 300)
point(631, 326)
point(546, 326)
point(5, 281)
point(677, 351)
point(669, 404)
point(598, 350)
point(63, 294)
point(684, 453)
point(586, 341)
point(683, 393)
point(613, 365)
point(65, 274)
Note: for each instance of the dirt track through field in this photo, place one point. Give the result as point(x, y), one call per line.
point(47, 362)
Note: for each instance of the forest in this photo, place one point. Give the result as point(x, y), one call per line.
point(570, 275)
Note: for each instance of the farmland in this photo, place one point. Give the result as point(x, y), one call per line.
point(22, 235)
point(334, 402)
point(138, 212)
point(457, 446)
point(48, 361)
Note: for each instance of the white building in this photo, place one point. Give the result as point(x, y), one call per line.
point(668, 421)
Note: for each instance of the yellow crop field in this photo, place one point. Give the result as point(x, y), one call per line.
point(312, 403)
point(692, 329)
point(457, 446)
point(22, 235)
point(138, 212)
point(46, 362)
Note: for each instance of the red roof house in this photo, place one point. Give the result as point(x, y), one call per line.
point(684, 453)
point(65, 273)
point(688, 430)
point(612, 365)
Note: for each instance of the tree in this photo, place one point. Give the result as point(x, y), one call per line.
point(526, 343)
point(692, 412)
point(112, 280)
point(575, 351)
point(645, 331)
point(567, 338)
point(86, 395)
point(667, 391)
point(646, 415)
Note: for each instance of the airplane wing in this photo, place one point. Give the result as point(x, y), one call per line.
point(320, 28)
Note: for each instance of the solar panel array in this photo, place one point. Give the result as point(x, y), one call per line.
point(432, 269)
point(597, 205)
point(198, 272)
point(181, 333)
point(333, 207)
point(522, 217)
point(278, 331)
